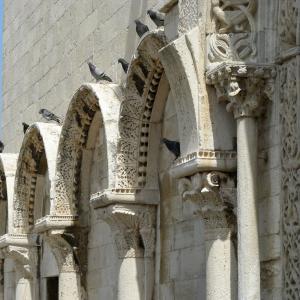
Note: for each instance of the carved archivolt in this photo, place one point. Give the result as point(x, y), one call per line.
point(290, 159)
point(235, 35)
point(40, 138)
point(142, 84)
point(89, 99)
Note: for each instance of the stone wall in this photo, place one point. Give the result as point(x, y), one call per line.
point(46, 47)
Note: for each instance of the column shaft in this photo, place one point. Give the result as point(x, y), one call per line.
point(248, 243)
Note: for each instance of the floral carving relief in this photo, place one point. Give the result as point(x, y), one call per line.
point(290, 158)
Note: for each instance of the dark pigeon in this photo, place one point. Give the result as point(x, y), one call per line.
point(140, 28)
point(49, 116)
point(124, 64)
point(172, 146)
point(1, 147)
point(25, 127)
point(98, 74)
point(156, 17)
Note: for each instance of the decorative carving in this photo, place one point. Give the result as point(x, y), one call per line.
point(25, 260)
point(64, 252)
point(290, 159)
point(245, 87)
point(235, 35)
point(73, 138)
point(289, 21)
point(189, 15)
point(26, 176)
point(207, 190)
point(133, 227)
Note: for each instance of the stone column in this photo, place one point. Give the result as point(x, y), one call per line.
point(133, 227)
point(245, 88)
point(212, 195)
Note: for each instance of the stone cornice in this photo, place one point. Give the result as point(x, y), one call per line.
point(55, 222)
point(21, 240)
point(204, 160)
point(125, 196)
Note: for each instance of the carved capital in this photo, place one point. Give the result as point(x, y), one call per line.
point(133, 227)
point(213, 195)
point(64, 249)
point(25, 260)
point(245, 87)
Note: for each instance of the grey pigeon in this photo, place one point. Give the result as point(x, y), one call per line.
point(140, 28)
point(1, 147)
point(25, 127)
point(49, 116)
point(172, 146)
point(156, 17)
point(98, 74)
point(124, 64)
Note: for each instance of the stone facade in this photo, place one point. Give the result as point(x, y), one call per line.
point(98, 207)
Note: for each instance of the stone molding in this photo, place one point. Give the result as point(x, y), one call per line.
point(133, 227)
point(214, 197)
point(245, 87)
point(51, 222)
point(204, 160)
point(125, 196)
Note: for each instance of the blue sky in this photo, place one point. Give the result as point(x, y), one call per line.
point(1, 29)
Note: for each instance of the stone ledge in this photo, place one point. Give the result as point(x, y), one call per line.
point(23, 240)
point(287, 54)
point(54, 222)
point(125, 196)
point(204, 160)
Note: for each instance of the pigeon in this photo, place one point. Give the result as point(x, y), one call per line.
point(49, 116)
point(98, 74)
point(1, 147)
point(156, 17)
point(25, 127)
point(124, 64)
point(172, 146)
point(140, 28)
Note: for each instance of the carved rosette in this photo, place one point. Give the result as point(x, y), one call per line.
point(290, 181)
point(133, 227)
point(235, 34)
point(214, 197)
point(245, 87)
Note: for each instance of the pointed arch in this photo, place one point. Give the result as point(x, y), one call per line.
point(38, 151)
point(87, 101)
